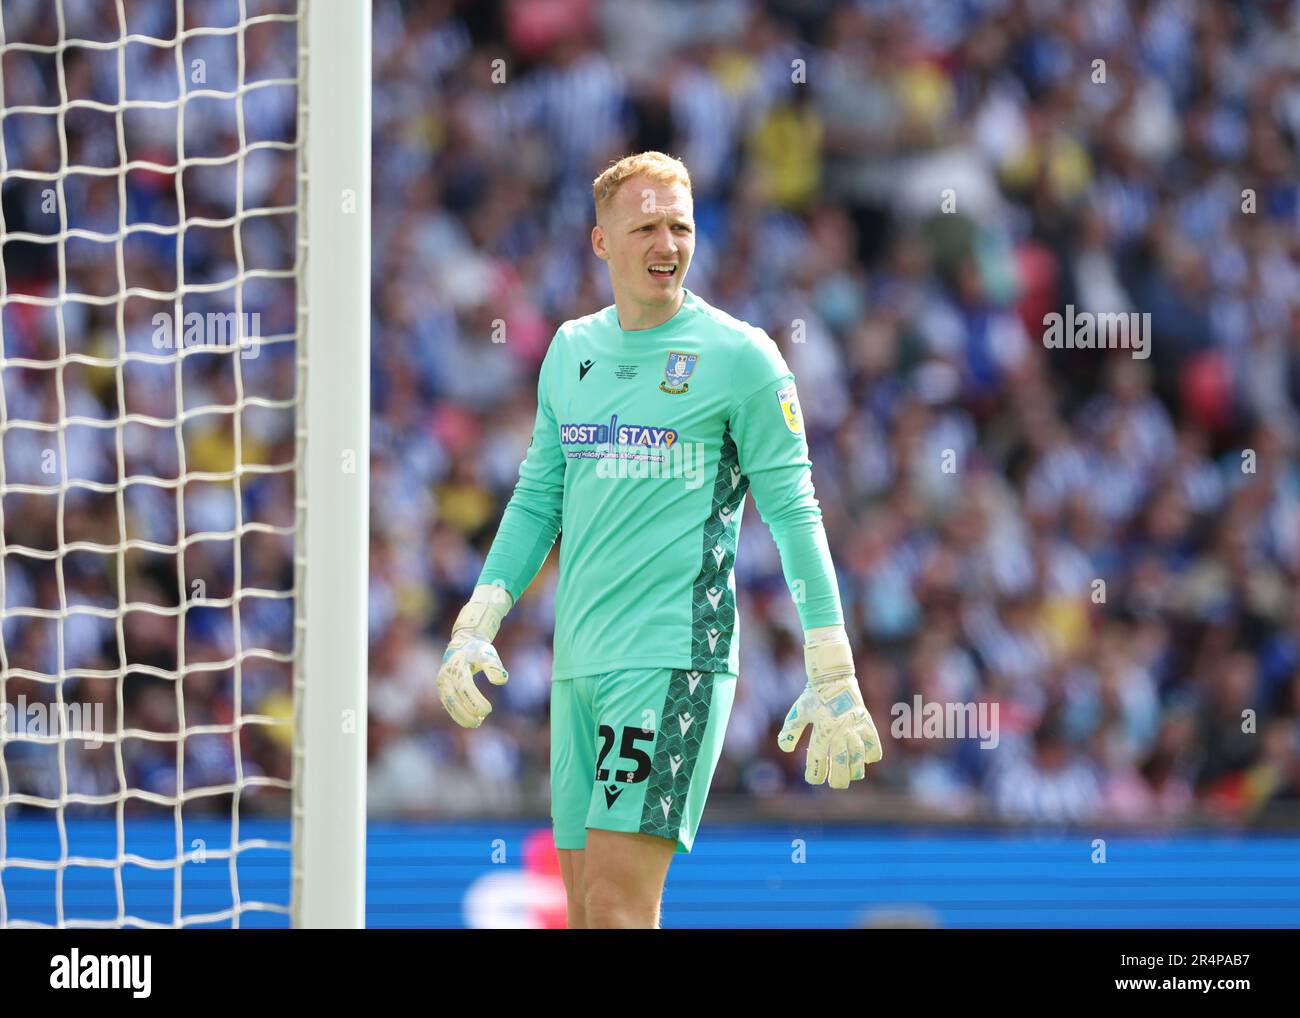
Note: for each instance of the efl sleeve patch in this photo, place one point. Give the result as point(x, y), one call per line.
point(789, 401)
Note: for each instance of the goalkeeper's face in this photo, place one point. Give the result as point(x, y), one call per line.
point(647, 236)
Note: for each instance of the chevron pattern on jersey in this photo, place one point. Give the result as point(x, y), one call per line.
point(713, 605)
point(682, 724)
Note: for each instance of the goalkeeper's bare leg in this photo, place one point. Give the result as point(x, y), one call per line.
point(617, 881)
point(571, 869)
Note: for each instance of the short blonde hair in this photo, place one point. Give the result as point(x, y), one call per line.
point(659, 168)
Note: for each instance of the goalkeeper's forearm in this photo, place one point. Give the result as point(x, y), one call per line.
point(522, 542)
point(807, 565)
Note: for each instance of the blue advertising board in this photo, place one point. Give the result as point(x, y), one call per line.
point(505, 873)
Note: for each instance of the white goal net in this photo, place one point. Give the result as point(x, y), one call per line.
point(154, 353)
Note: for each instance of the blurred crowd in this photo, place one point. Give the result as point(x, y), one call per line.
point(214, 429)
point(1104, 546)
point(897, 193)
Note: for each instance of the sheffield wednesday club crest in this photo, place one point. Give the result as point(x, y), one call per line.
point(678, 369)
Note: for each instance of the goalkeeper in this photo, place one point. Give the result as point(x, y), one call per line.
point(654, 417)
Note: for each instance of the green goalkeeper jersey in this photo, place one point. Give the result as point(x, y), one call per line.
point(644, 447)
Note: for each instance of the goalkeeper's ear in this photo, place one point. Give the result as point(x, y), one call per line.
point(486, 608)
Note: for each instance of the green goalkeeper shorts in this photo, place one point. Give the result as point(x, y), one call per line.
point(635, 750)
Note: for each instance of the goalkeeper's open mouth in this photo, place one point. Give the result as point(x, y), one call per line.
point(663, 271)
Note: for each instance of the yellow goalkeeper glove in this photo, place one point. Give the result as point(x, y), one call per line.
point(470, 652)
point(844, 738)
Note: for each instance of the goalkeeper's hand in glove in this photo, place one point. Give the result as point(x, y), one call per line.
point(844, 738)
point(471, 652)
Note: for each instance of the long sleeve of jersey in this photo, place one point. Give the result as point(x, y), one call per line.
point(533, 516)
point(768, 429)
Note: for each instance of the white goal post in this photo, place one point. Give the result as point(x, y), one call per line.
point(105, 610)
point(330, 798)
